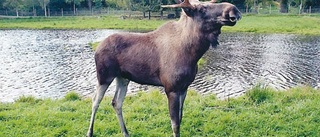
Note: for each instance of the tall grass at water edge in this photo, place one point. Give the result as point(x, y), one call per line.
point(260, 112)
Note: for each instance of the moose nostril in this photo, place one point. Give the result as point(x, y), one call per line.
point(233, 19)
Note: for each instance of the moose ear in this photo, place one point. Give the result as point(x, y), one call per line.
point(185, 5)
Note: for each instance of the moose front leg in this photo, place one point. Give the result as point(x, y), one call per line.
point(182, 97)
point(175, 102)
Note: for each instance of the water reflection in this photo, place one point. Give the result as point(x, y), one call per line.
point(49, 63)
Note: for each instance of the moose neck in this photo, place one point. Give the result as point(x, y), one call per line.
point(195, 41)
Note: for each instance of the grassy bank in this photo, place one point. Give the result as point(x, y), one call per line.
point(249, 23)
point(94, 22)
point(306, 25)
point(261, 112)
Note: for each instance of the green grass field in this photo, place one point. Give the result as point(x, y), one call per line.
point(260, 112)
point(287, 24)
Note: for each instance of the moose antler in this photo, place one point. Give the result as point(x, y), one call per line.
point(184, 4)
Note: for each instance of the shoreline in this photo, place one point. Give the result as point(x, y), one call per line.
point(272, 24)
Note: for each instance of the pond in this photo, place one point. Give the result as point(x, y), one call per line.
point(51, 63)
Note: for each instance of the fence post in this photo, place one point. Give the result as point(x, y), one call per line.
point(270, 9)
point(310, 10)
point(17, 12)
point(300, 7)
point(62, 12)
point(247, 8)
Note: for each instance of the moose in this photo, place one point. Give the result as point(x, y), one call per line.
point(164, 57)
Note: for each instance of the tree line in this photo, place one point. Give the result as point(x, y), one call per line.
point(44, 6)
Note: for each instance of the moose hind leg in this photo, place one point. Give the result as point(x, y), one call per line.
point(117, 101)
point(98, 96)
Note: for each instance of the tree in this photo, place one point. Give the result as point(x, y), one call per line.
point(97, 4)
point(1, 4)
point(13, 4)
point(146, 6)
point(74, 3)
point(119, 4)
point(43, 5)
point(313, 3)
point(89, 2)
point(252, 4)
point(31, 4)
point(284, 6)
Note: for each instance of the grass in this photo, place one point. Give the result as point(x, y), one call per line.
point(288, 24)
point(94, 45)
point(260, 112)
point(83, 22)
point(305, 25)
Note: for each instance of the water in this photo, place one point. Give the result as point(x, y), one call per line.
point(242, 60)
point(50, 63)
point(47, 63)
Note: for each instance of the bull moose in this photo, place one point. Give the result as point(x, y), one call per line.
point(165, 57)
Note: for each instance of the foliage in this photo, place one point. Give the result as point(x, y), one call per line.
point(145, 5)
point(295, 112)
point(118, 4)
point(14, 4)
point(74, 3)
point(97, 4)
point(43, 5)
